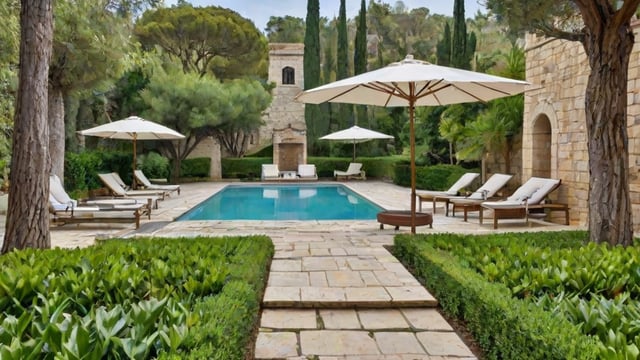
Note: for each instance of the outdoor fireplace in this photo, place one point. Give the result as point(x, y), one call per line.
point(289, 148)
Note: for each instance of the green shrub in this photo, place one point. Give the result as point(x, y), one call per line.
point(134, 299)
point(154, 165)
point(436, 177)
point(80, 170)
point(195, 167)
point(505, 327)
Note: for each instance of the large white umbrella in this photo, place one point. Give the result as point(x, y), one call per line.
point(133, 128)
point(412, 83)
point(355, 134)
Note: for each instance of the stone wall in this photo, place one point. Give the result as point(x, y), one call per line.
point(559, 70)
point(209, 147)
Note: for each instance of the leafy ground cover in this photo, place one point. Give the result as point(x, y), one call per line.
point(144, 298)
point(595, 287)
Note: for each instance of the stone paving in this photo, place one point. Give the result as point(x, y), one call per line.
point(334, 291)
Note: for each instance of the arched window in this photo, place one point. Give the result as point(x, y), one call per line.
point(288, 76)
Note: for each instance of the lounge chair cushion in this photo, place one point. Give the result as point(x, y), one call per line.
point(462, 182)
point(307, 171)
point(490, 187)
point(534, 190)
point(142, 178)
point(270, 171)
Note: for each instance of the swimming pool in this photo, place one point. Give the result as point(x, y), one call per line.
point(284, 202)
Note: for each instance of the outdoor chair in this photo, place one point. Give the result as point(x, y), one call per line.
point(472, 202)
point(116, 190)
point(463, 182)
point(530, 196)
point(354, 171)
point(270, 172)
point(142, 179)
point(307, 172)
point(66, 210)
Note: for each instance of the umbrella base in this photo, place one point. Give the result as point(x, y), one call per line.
point(399, 218)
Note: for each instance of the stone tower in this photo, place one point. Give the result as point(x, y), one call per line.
point(286, 71)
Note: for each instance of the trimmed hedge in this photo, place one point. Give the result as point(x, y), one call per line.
point(195, 167)
point(244, 168)
point(396, 168)
point(250, 168)
point(505, 328)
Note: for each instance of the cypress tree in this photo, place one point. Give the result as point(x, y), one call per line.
point(360, 55)
point(316, 126)
point(345, 117)
point(459, 42)
point(443, 48)
point(471, 49)
point(343, 43)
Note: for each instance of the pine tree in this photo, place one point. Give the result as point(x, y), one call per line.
point(360, 55)
point(316, 123)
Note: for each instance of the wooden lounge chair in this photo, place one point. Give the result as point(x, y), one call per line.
point(529, 196)
point(147, 184)
point(270, 172)
point(65, 210)
point(307, 172)
point(354, 171)
point(472, 202)
point(464, 181)
point(116, 189)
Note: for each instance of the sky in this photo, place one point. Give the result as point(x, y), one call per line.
point(259, 11)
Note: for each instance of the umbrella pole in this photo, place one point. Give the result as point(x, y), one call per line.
point(354, 151)
point(133, 178)
point(412, 147)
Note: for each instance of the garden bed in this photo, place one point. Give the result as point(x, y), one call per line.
point(185, 298)
point(482, 280)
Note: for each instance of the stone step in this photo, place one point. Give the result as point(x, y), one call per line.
point(411, 333)
point(347, 297)
point(343, 282)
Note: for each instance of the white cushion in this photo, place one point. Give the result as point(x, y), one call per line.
point(308, 170)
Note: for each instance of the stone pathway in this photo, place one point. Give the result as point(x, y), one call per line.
point(334, 291)
point(344, 296)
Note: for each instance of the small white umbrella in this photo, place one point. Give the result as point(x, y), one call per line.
point(412, 83)
point(355, 134)
point(133, 128)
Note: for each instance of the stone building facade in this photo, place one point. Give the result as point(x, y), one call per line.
point(286, 72)
point(554, 139)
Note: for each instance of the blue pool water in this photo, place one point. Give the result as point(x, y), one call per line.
point(284, 202)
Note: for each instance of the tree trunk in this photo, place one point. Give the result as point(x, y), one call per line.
point(56, 132)
point(28, 215)
point(610, 216)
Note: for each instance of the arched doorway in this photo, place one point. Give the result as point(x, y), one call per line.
point(541, 156)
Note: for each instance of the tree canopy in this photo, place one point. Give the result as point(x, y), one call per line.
point(287, 29)
point(205, 40)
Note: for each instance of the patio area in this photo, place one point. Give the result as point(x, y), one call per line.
point(334, 291)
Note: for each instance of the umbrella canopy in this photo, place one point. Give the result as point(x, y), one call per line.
point(133, 128)
point(355, 134)
point(412, 83)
